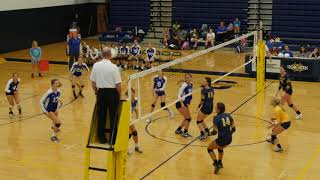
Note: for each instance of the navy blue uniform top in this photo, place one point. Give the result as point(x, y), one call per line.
point(151, 53)
point(12, 86)
point(159, 83)
point(184, 90)
point(74, 46)
point(207, 96)
point(134, 104)
point(77, 69)
point(49, 101)
point(124, 50)
point(135, 50)
point(285, 83)
point(223, 123)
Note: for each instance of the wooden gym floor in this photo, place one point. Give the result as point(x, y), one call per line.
point(26, 152)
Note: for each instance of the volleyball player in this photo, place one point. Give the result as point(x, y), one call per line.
point(35, 53)
point(183, 106)
point(49, 105)
point(159, 91)
point(223, 124)
point(205, 106)
point(13, 94)
point(287, 90)
point(76, 72)
point(150, 56)
point(124, 55)
point(280, 123)
point(134, 56)
point(132, 131)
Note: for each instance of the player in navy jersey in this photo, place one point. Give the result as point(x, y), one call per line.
point(134, 56)
point(205, 106)
point(159, 91)
point(183, 106)
point(76, 72)
point(132, 131)
point(150, 56)
point(49, 105)
point(287, 90)
point(13, 94)
point(223, 124)
point(124, 55)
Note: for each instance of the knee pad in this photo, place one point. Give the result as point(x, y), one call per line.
point(210, 151)
point(291, 105)
point(199, 122)
point(58, 125)
point(130, 135)
point(220, 150)
point(152, 105)
point(273, 137)
point(163, 104)
point(73, 86)
point(189, 119)
point(135, 133)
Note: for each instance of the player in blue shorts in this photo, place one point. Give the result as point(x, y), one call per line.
point(124, 55)
point(13, 94)
point(49, 105)
point(205, 106)
point(223, 124)
point(150, 56)
point(135, 55)
point(132, 131)
point(76, 72)
point(159, 91)
point(183, 106)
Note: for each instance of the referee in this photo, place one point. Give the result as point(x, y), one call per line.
point(106, 82)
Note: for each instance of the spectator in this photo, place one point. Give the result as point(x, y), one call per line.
point(166, 36)
point(286, 52)
point(204, 30)
point(303, 53)
point(194, 37)
point(229, 31)
point(176, 27)
point(236, 25)
point(181, 36)
point(274, 51)
point(221, 31)
point(315, 53)
point(35, 54)
point(75, 22)
point(210, 38)
point(94, 55)
point(73, 49)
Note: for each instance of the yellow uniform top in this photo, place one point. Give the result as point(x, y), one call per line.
point(280, 115)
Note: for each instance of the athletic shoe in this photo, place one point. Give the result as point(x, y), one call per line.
point(277, 149)
point(216, 168)
point(138, 149)
point(186, 135)
point(20, 111)
point(220, 164)
point(299, 116)
point(54, 139)
point(11, 114)
point(178, 131)
point(270, 141)
point(203, 137)
point(171, 114)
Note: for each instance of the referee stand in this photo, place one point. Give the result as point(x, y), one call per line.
point(116, 155)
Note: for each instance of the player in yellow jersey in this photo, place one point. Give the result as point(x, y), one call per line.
point(280, 123)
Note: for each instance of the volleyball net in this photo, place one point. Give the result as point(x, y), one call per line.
point(217, 62)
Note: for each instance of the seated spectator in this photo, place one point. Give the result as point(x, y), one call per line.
point(204, 31)
point(274, 51)
point(181, 36)
point(176, 27)
point(165, 36)
point(303, 53)
point(134, 55)
point(94, 55)
point(315, 53)
point(236, 25)
point(221, 31)
point(286, 52)
point(210, 38)
point(194, 37)
point(229, 31)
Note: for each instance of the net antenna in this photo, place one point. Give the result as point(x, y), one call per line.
point(138, 76)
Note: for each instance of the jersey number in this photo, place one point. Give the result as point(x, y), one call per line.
point(225, 121)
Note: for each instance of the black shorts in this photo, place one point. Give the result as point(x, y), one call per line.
point(289, 91)
point(285, 125)
point(179, 105)
point(10, 93)
point(206, 109)
point(223, 141)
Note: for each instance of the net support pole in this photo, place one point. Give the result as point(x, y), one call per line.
point(261, 66)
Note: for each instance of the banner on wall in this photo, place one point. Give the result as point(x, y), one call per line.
point(272, 66)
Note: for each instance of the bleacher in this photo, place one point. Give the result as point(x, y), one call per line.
point(296, 22)
point(193, 13)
